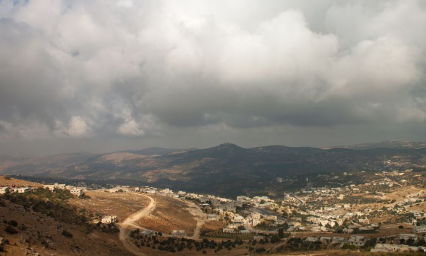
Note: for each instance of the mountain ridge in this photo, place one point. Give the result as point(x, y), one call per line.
point(223, 169)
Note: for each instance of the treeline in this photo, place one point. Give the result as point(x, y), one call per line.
point(173, 244)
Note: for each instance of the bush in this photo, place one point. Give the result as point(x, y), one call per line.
point(11, 230)
point(13, 223)
point(66, 233)
point(349, 246)
point(275, 239)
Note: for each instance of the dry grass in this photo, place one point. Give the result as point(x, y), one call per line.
point(41, 230)
point(169, 214)
point(104, 203)
point(400, 192)
point(212, 226)
point(18, 183)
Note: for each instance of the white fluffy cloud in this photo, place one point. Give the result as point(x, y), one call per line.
point(76, 128)
point(108, 68)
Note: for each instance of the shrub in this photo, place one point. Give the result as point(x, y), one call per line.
point(13, 223)
point(11, 230)
point(66, 233)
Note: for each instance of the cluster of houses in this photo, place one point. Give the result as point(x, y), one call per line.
point(385, 244)
point(13, 189)
point(221, 209)
point(245, 213)
point(77, 191)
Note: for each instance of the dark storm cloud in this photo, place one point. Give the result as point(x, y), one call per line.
point(123, 68)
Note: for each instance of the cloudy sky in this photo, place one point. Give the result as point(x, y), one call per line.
point(103, 75)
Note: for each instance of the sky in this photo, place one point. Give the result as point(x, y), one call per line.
point(106, 75)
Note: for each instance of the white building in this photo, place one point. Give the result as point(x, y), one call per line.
point(77, 191)
point(357, 240)
point(4, 190)
point(419, 229)
point(179, 233)
point(109, 219)
point(23, 190)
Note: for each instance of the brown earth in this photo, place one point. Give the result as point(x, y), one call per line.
point(19, 183)
point(43, 235)
point(212, 226)
point(120, 204)
point(170, 214)
point(119, 157)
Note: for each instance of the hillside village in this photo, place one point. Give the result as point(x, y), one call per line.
point(386, 214)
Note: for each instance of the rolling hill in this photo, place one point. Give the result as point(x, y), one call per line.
point(226, 169)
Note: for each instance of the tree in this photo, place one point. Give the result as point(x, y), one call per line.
point(66, 234)
point(275, 239)
point(281, 233)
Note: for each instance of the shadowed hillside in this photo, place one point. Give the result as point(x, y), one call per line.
point(225, 169)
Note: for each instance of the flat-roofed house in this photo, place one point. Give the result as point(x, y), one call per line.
point(77, 191)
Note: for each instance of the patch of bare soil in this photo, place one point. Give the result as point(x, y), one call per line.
point(170, 214)
point(212, 226)
point(120, 204)
point(119, 157)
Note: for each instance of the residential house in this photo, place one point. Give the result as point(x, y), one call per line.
point(4, 190)
point(77, 191)
point(109, 219)
point(23, 190)
point(357, 240)
point(181, 233)
point(228, 230)
point(419, 229)
point(337, 240)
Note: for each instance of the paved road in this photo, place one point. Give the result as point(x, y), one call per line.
point(300, 200)
point(127, 224)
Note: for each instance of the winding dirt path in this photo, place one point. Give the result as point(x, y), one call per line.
point(126, 225)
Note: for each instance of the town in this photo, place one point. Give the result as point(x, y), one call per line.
point(385, 214)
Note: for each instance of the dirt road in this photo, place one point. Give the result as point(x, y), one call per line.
point(199, 216)
point(127, 224)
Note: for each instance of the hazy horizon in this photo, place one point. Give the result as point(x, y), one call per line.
point(106, 75)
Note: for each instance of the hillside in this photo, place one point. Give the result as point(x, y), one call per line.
point(226, 169)
point(42, 223)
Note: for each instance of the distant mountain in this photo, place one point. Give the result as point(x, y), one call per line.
point(226, 169)
point(387, 144)
point(155, 151)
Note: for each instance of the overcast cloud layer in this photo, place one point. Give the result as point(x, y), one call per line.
point(128, 73)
